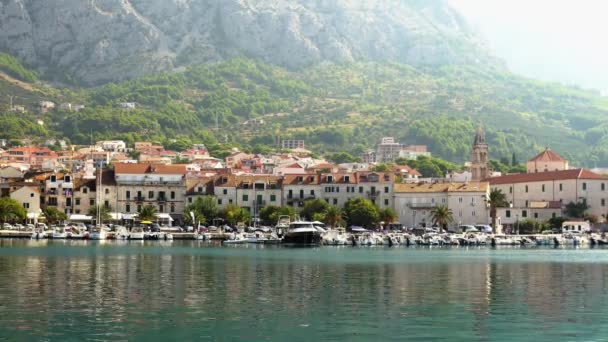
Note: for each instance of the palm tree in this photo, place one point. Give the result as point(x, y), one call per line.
point(147, 213)
point(497, 200)
point(442, 216)
point(387, 216)
point(333, 216)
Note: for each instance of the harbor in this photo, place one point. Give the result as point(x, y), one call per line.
point(162, 290)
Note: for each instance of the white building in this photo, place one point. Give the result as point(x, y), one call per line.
point(112, 145)
point(467, 201)
point(562, 187)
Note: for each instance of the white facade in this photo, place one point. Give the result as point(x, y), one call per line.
point(467, 201)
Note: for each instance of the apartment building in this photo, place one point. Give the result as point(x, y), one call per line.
point(467, 201)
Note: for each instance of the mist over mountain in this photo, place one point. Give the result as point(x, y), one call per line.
point(97, 41)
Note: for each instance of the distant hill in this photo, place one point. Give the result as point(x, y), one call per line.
point(93, 42)
point(344, 107)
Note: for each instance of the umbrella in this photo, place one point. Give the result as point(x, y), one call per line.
point(146, 222)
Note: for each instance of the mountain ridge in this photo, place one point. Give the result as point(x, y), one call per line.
point(101, 41)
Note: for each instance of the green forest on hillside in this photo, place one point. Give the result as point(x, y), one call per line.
point(335, 108)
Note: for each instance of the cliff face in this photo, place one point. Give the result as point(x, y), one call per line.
point(96, 41)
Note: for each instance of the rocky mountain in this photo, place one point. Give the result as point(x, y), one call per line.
point(97, 41)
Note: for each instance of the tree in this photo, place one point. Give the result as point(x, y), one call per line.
point(270, 214)
point(204, 208)
point(235, 215)
point(147, 213)
point(11, 210)
point(312, 207)
point(342, 157)
point(381, 168)
point(576, 210)
point(514, 161)
point(530, 226)
point(333, 216)
point(361, 212)
point(556, 222)
point(103, 210)
point(53, 215)
point(442, 216)
point(497, 200)
point(387, 216)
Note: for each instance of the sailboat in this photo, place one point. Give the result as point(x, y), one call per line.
point(98, 233)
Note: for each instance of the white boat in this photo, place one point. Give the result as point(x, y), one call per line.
point(239, 239)
point(136, 233)
point(59, 234)
point(39, 234)
point(98, 234)
point(122, 233)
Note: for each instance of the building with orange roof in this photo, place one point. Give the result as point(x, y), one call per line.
point(252, 192)
point(562, 186)
point(32, 155)
point(545, 161)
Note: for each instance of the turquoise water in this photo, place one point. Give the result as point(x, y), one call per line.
point(187, 291)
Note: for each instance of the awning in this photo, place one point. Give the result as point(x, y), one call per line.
point(77, 217)
point(164, 216)
point(116, 216)
point(33, 216)
point(129, 216)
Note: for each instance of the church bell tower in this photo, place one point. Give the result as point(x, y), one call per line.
point(479, 157)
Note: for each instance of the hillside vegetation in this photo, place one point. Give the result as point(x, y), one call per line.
point(335, 108)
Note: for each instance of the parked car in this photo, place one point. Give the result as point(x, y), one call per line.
point(7, 226)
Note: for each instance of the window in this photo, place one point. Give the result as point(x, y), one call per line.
point(200, 189)
point(508, 213)
point(360, 189)
point(535, 215)
point(603, 202)
point(138, 207)
point(386, 201)
point(273, 198)
point(128, 208)
point(312, 192)
point(584, 186)
point(510, 189)
point(526, 203)
point(561, 187)
point(77, 200)
point(473, 213)
point(128, 194)
point(543, 188)
point(335, 201)
point(107, 191)
point(150, 194)
point(225, 191)
point(603, 186)
point(189, 199)
point(526, 189)
point(219, 201)
point(230, 201)
point(161, 208)
point(245, 198)
point(172, 207)
point(26, 205)
point(460, 200)
point(553, 215)
point(106, 204)
point(348, 189)
point(337, 189)
point(91, 201)
point(172, 194)
point(386, 189)
point(85, 190)
point(32, 195)
point(524, 213)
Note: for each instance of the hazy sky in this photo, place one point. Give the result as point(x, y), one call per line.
point(564, 40)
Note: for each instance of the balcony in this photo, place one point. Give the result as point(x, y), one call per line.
point(162, 199)
point(139, 198)
point(422, 205)
point(373, 194)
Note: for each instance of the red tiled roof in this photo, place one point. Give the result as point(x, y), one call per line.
point(147, 168)
point(547, 156)
point(545, 176)
point(406, 168)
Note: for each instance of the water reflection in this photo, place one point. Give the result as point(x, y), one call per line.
point(122, 290)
